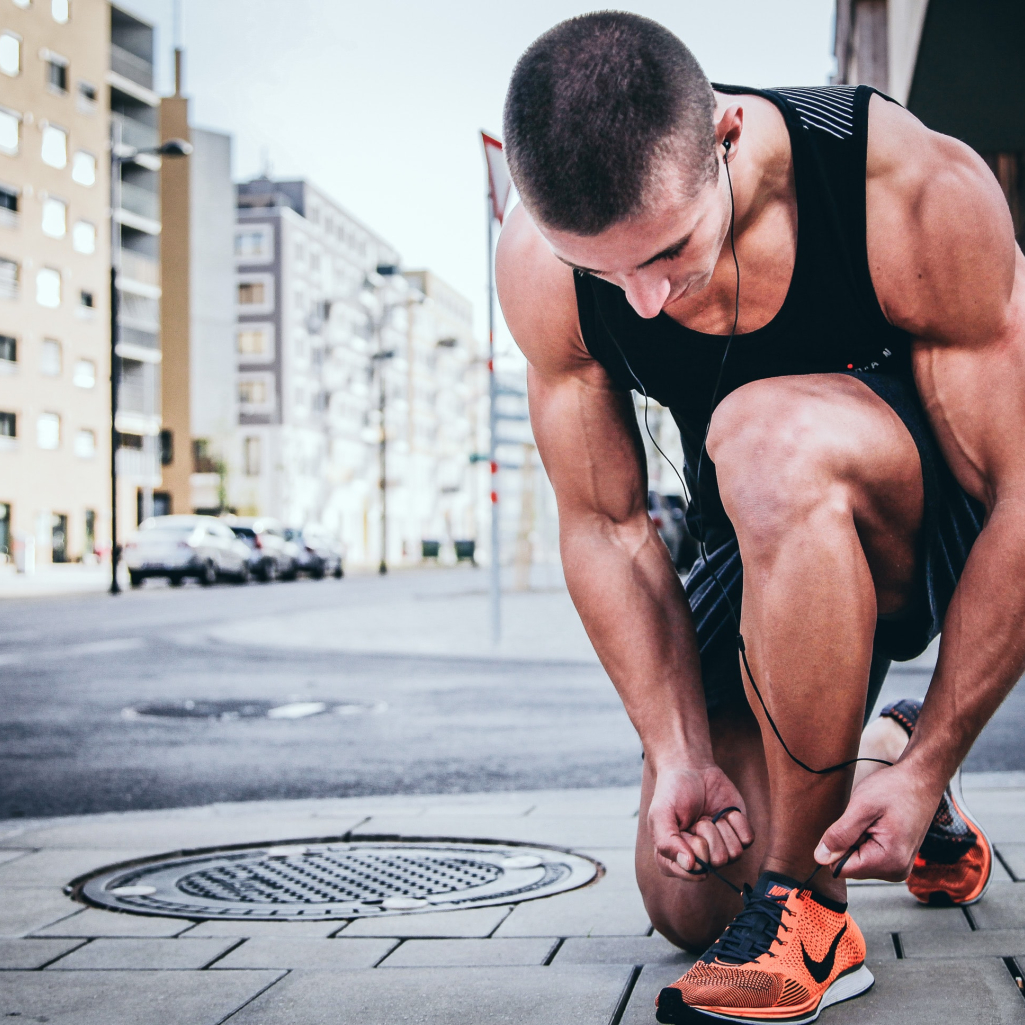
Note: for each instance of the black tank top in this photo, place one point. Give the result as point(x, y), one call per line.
point(830, 320)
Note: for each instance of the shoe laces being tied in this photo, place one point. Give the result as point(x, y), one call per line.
point(753, 931)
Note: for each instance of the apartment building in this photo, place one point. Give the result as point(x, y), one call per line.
point(54, 278)
point(135, 202)
point(200, 395)
point(320, 334)
point(958, 67)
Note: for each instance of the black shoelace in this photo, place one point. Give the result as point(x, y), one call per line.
point(753, 932)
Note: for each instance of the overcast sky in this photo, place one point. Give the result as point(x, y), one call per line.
point(379, 103)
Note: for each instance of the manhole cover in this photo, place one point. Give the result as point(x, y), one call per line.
point(244, 709)
point(336, 879)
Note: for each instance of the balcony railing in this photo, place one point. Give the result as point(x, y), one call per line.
point(140, 268)
point(140, 201)
point(134, 462)
point(135, 133)
point(8, 279)
point(133, 68)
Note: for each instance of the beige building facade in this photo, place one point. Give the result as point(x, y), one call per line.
point(54, 278)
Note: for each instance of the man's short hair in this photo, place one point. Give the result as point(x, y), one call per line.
point(594, 107)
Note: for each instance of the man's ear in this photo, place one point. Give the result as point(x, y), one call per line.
point(729, 127)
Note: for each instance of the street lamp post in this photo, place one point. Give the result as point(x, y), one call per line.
point(120, 154)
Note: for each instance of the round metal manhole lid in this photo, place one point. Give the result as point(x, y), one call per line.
point(318, 880)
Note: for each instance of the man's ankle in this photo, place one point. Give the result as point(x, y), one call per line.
point(821, 882)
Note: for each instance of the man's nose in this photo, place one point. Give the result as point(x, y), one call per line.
point(646, 296)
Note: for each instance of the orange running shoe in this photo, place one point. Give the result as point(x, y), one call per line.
point(785, 957)
point(955, 862)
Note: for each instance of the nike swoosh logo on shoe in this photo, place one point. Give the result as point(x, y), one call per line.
point(820, 970)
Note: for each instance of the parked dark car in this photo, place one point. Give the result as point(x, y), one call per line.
point(271, 555)
point(668, 513)
point(319, 555)
point(185, 546)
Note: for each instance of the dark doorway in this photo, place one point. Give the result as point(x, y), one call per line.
point(60, 537)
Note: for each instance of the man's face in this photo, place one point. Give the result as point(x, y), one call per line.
point(659, 256)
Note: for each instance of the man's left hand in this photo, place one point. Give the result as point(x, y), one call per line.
point(889, 813)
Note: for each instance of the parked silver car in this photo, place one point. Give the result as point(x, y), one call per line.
point(185, 546)
point(319, 554)
point(271, 555)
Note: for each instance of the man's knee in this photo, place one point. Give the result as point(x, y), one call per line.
point(777, 461)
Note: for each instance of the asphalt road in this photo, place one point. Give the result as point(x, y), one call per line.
point(71, 665)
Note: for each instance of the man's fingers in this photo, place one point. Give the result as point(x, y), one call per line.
point(740, 825)
point(843, 834)
point(709, 832)
point(734, 847)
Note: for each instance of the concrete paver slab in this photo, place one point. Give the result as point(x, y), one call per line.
point(893, 909)
point(469, 923)
point(622, 950)
point(470, 953)
point(588, 912)
point(25, 910)
point(653, 978)
point(94, 923)
point(574, 995)
point(1014, 855)
point(1003, 907)
point(272, 930)
point(33, 953)
point(13, 854)
point(984, 943)
point(923, 992)
point(145, 953)
point(264, 952)
point(56, 867)
point(129, 998)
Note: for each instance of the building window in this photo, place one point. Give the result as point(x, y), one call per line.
point(252, 392)
point(57, 74)
point(86, 95)
point(10, 132)
point(55, 146)
point(166, 447)
point(8, 199)
point(48, 287)
point(60, 12)
point(8, 278)
point(251, 293)
point(251, 456)
point(85, 443)
point(254, 341)
point(132, 441)
point(55, 217)
point(254, 243)
point(48, 431)
point(8, 348)
point(86, 299)
point(10, 54)
point(83, 237)
point(5, 528)
point(8, 425)
point(50, 358)
point(85, 374)
point(83, 168)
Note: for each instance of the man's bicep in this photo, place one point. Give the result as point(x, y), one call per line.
point(587, 436)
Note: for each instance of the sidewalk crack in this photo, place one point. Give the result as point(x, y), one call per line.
point(223, 954)
point(556, 947)
point(624, 999)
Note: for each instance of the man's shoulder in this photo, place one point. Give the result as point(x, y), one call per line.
point(939, 232)
point(537, 293)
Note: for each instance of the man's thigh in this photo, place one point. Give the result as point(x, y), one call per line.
point(781, 443)
point(693, 915)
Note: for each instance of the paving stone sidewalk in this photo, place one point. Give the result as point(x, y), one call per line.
point(587, 957)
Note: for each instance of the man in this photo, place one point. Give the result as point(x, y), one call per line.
point(843, 287)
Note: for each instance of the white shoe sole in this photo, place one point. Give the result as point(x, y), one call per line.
point(844, 988)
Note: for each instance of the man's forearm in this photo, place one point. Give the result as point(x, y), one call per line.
point(982, 652)
point(634, 609)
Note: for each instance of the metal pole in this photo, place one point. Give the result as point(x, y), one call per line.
point(383, 568)
point(115, 360)
point(496, 568)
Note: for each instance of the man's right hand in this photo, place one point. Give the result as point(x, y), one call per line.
point(680, 820)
